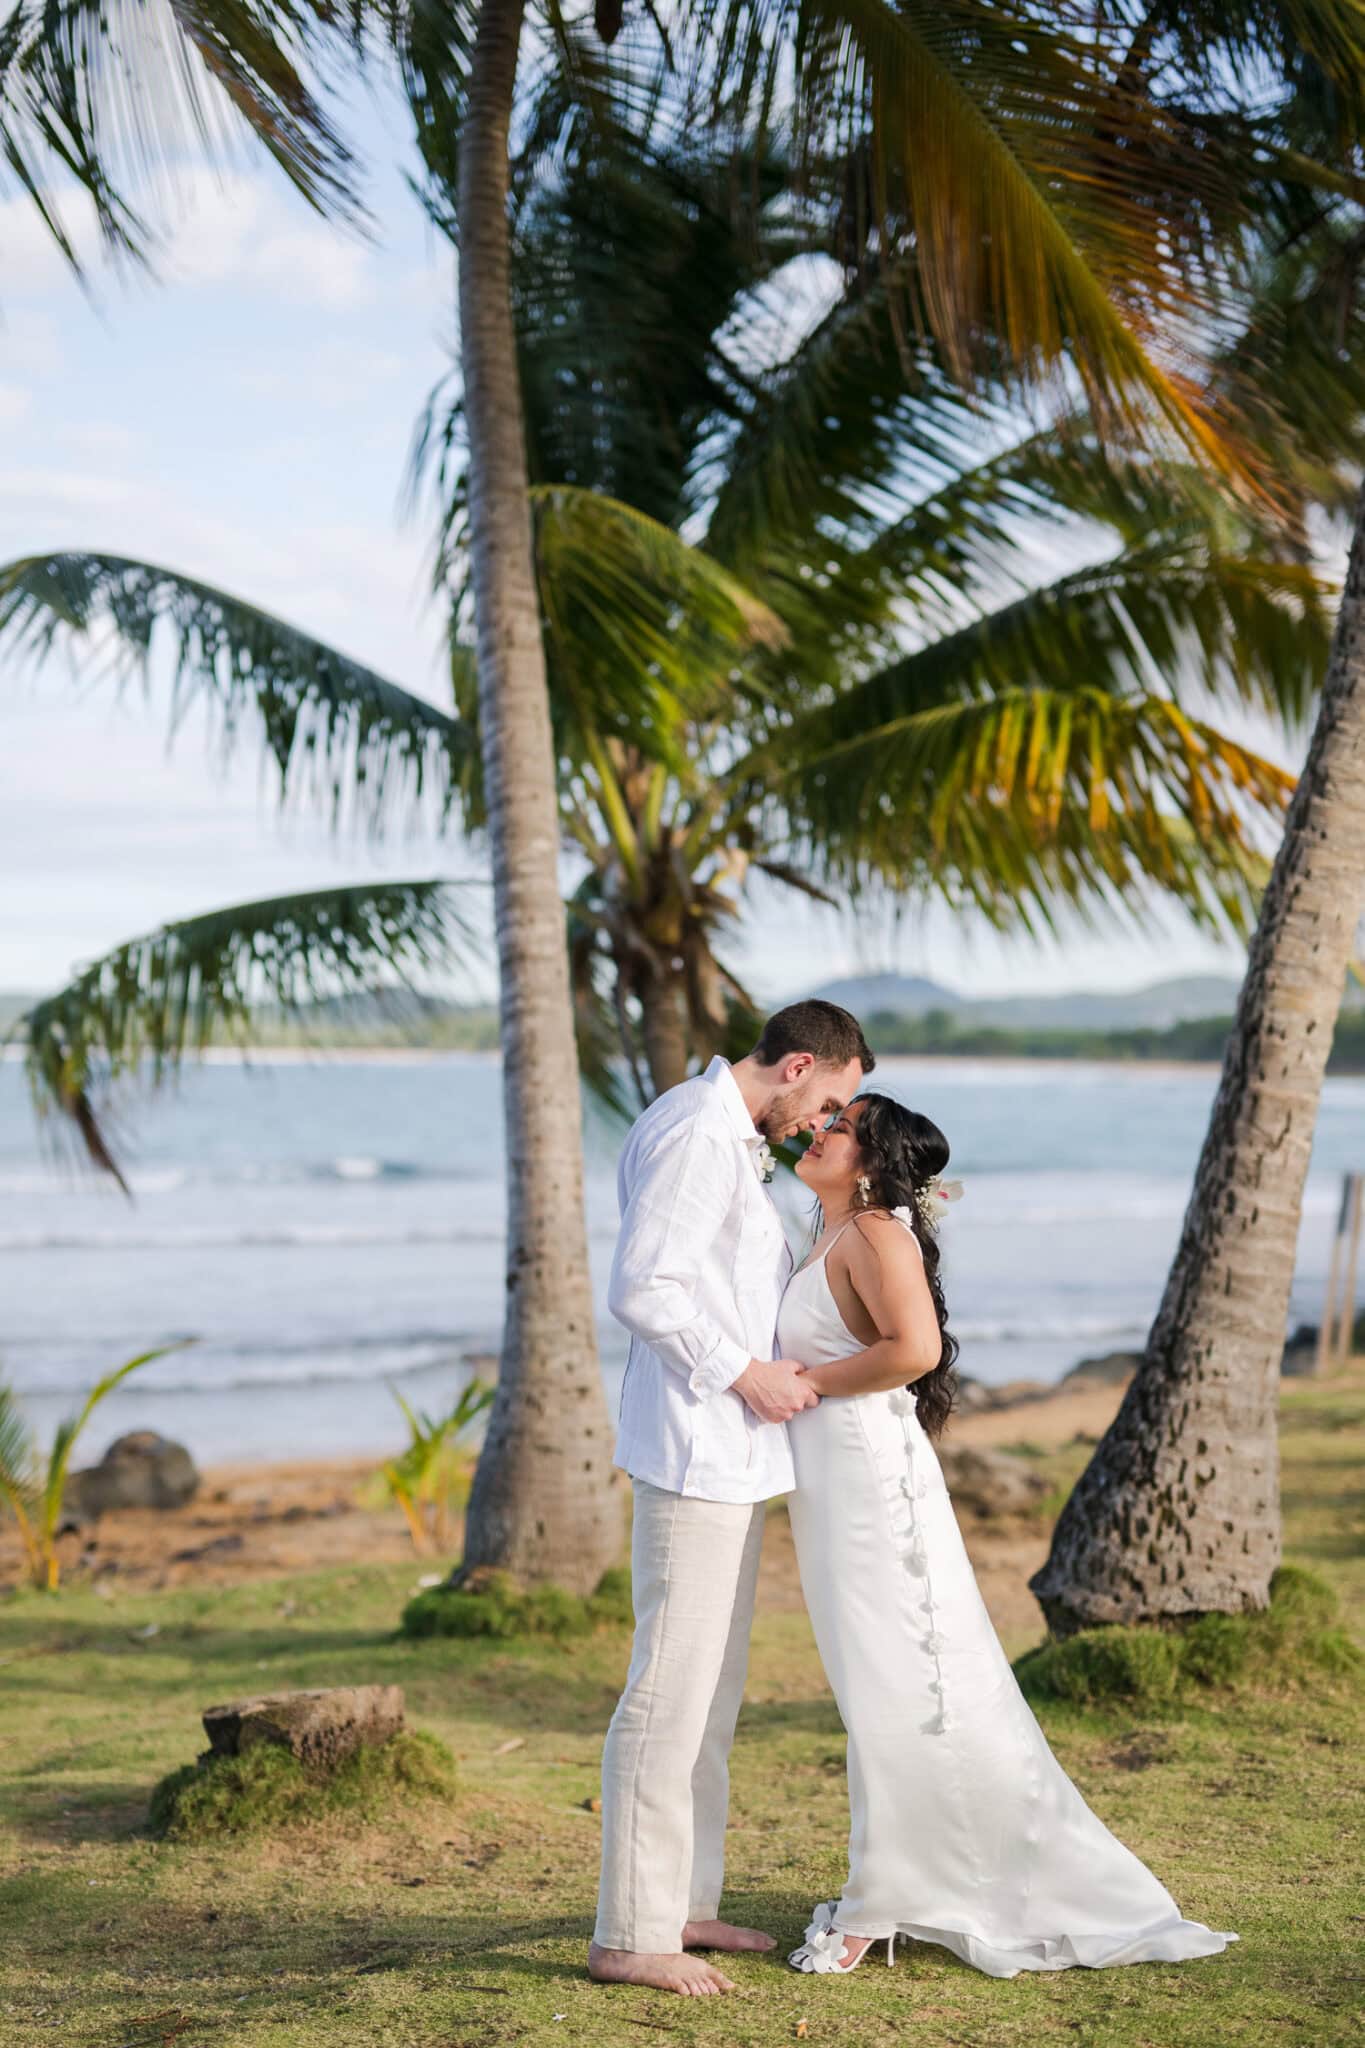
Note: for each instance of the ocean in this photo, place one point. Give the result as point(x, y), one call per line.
point(330, 1228)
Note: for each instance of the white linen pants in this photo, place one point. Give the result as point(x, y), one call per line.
point(665, 1766)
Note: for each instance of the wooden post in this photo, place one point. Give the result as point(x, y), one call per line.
point(1338, 1315)
point(1346, 1327)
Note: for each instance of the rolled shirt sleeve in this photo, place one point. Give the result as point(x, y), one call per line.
point(681, 1184)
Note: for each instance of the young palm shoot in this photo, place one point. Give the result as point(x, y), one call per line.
point(32, 1488)
point(428, 1478)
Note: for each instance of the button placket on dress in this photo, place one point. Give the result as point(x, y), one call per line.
point(915, 1558)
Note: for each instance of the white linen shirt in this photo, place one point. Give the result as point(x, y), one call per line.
point(700, 1266)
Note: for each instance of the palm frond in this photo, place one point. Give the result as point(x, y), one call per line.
point(326, 720)
point(425, 1475)
point(1032, 799)
point(1170, 608)
point(603, 1033)
point(114, 100)
point(433, 41)
point(140, 1009)
point(1295, 371)
point(851, 578)
point(792, 877)
point(638, 623)
point(1041, 185)
point(853, 422)
point(618, 386)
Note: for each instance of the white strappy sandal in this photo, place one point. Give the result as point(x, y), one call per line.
point(821, 1952)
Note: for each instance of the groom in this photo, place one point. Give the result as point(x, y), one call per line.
point(700, 1268)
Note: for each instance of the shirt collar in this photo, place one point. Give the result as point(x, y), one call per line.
point(721, 1076)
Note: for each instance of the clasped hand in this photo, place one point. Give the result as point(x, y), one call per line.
point(776, 1389)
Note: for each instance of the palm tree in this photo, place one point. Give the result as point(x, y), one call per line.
point(1031, 748)
point(1178, 1511)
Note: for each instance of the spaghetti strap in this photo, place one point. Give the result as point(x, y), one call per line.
point(902, 1215)
point(820, 1257)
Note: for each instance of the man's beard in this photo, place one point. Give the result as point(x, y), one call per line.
point(782, 1112)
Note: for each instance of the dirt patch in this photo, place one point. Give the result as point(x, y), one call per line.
point(1085, 1410)
point(246, 1522)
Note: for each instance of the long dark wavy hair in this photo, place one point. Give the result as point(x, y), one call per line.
point(899, 1150)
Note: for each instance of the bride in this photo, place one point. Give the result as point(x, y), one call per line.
point(965, 1829)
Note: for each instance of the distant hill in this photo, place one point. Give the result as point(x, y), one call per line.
point(1161, 1004)
point(904, 995)
point(939, 1035)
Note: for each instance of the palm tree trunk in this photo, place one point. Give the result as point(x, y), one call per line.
point(663, 1027)
point(543, 1505)
point(1178, 1511)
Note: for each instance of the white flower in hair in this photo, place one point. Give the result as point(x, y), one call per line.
point(930, 1193)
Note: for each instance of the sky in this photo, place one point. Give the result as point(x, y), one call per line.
point(246, 417)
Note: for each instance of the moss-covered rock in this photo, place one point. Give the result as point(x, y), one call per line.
point(492, 1603)
point(1137, 1664)
point(267, 1788)
point(1297, 1640)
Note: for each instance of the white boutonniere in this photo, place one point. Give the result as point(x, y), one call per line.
point(765, 1166)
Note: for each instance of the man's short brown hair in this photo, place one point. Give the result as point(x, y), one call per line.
point(834, 1036)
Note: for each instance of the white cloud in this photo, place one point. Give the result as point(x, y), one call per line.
point(337, 375)
point(317, 265)
point(249, 231)
point(33, 262)
point(101, 440)
point(30, 338)
point(14, 403)
point(46, 489)
point(246, 231)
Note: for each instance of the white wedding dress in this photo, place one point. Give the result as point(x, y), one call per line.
point(965, 1829)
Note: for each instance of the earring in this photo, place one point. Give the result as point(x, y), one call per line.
point(864, 1190)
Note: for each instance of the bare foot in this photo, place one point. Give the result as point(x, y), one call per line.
point(687, 1975)
point(721, 1934)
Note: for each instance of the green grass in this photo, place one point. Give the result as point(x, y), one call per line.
point(462, 1924)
